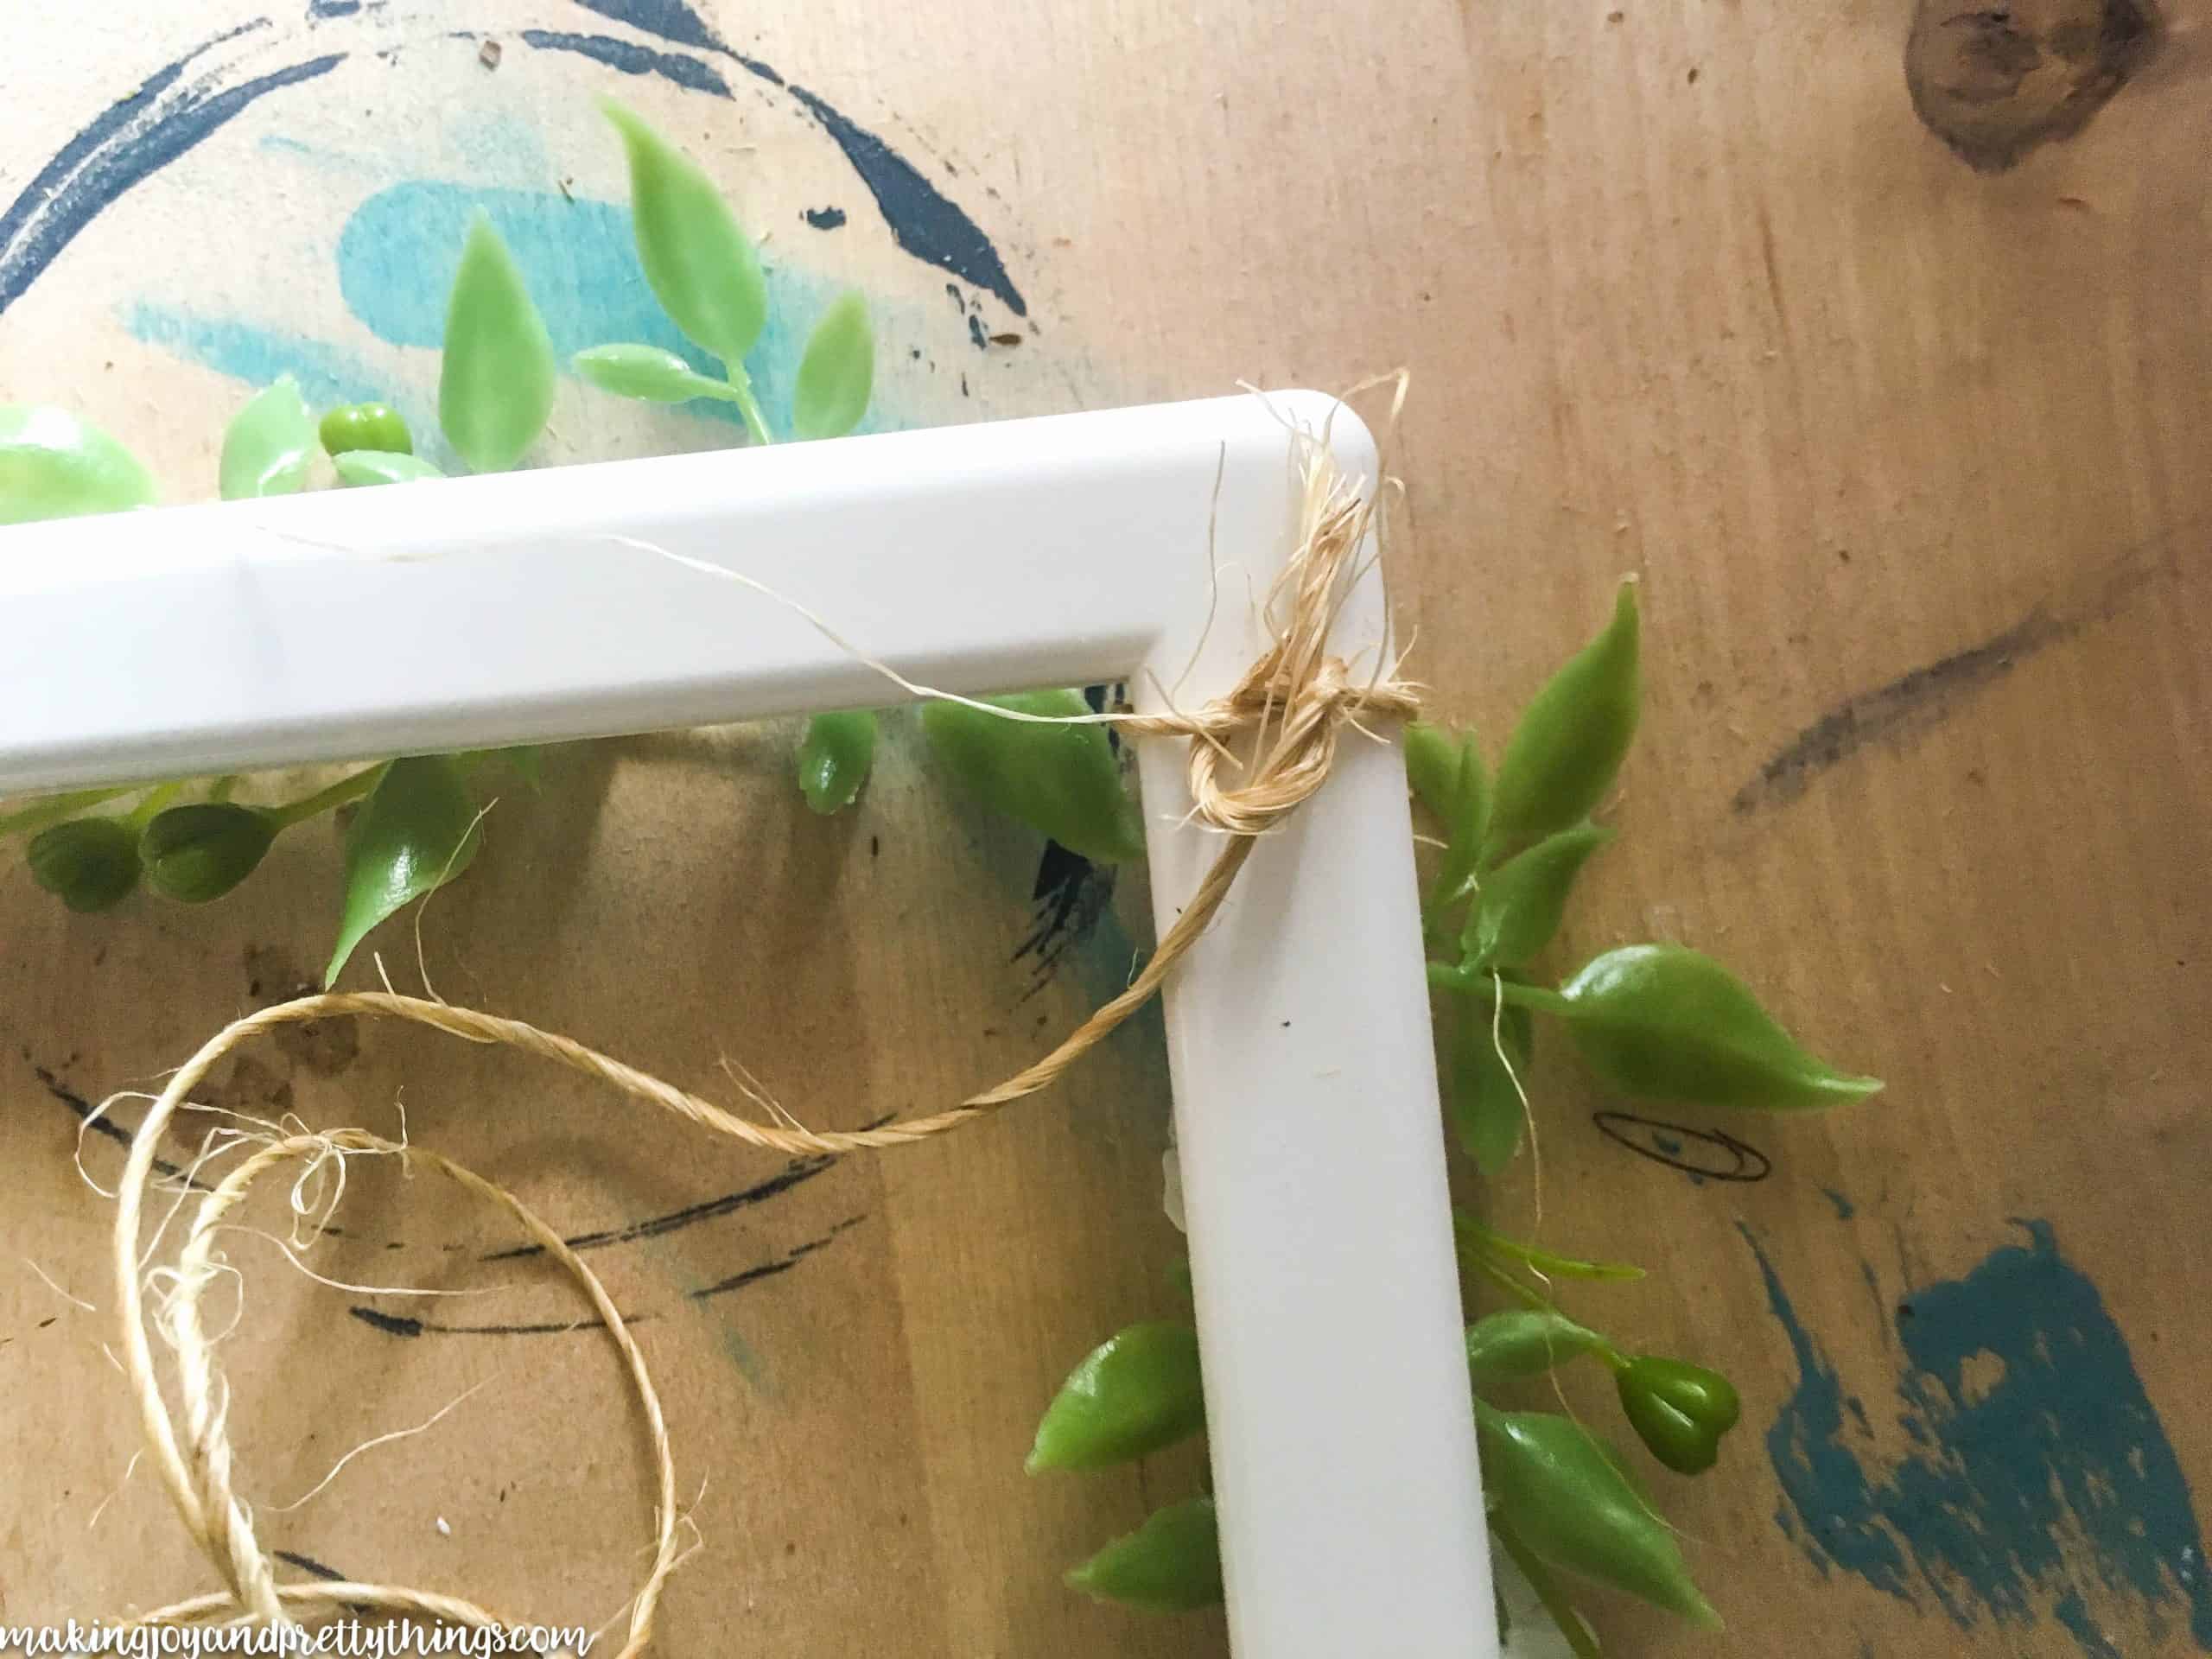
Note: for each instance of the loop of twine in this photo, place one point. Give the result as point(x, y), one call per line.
point(1277, 730)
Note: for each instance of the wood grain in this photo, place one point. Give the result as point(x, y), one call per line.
point(1908, 447)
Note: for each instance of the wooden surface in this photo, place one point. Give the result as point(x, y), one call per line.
point(1908, 439)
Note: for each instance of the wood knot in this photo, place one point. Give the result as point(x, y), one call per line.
point(1993, 81)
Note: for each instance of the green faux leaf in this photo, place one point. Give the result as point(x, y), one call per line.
point(1524, 898)
point(1055, 776)
point(1568, 747)
point(366, 426)
point(1679, 1410)
point(363, 466)
point(647, 373)
point(54, 465)
point(1172, 1564)
point(269, 444)
point(1432, 768)
point(200, 852)
point(496, 380)
point(1134, 1394)
point(87, 863)
point(415, 832)
point(1662, 1021)
point(702, 268)
point(837, 374)
point(834, 758)
point(1486, 1109)
point(1463, 810)
point(1566, 1496)
point(1517, 1342)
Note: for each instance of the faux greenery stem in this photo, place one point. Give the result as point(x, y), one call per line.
point(1579, 1639)
point(740, 386)
point(1455, 976)
point(1565, 1267)
point(157, 797)
point(345, 789)
point(54, 808)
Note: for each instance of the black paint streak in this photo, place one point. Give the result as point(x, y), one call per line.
point(1070, 895)
point(924, 221)
point(632, 59)
point(800, 1170)
point(825, 218)
point(1929, 696)
point(100, 1125)
point(1922, 698)
point(121, 146)
point(670, 19)
point(975, 334)
point(783, 1263)
point(308, 1564)
point(1678, 1147)
point(400, 1324)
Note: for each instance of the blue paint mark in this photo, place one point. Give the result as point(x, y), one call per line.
point(923, 219)
point(2035, 1440)
point(632, 59)
point(1844, 1209)
point(670, 19)
point(1667, 1143)
point(125, 143)
point(2073, 1615)
point(825, 218)
point(256, 355)
point(398, 252)
point(319, 9)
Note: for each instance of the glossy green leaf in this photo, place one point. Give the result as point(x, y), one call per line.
point(1134, 1394)
point(1432, 768)
point(1172, 1564)
point(54, 465)
point(1568, 747)
point(1465, 812)
point(1662, 1021)
point(269, 445)
point(1679, 1411)
point(837, 374)
point(1567, 1497)
point(1476, 1242)
point(366, 426)
point(835, 757)
point(415, 832)
point(702, 268)
point(496, 380)
point(364, 467)
point(200, 852)
point(1517, 1342)
point(88, 863)
point(1524, 898)
point(1060, 778)
point(1486, 1109)
point(647, 373)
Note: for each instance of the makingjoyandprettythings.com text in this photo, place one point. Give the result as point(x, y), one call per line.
point(352, 1637)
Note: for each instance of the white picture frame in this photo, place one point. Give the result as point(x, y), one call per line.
point(1120, 546)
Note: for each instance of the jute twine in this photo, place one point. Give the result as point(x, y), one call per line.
point(1255, 755)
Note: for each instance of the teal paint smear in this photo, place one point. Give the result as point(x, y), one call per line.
point(400, 248)
point(1844, 1209)
point(255, 355)
point(2059, 1452)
